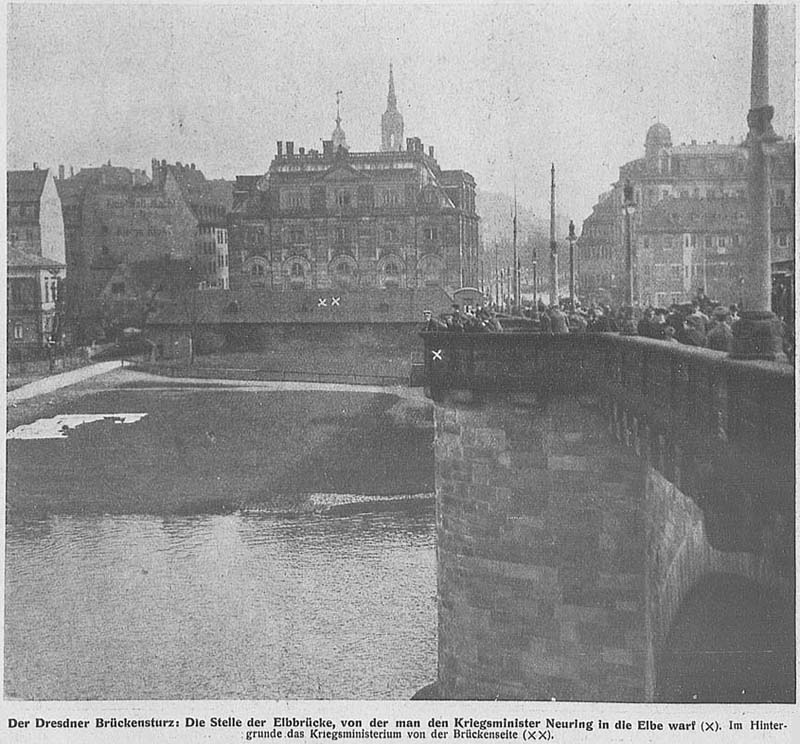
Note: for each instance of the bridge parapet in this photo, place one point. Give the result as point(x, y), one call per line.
point(584, 485)
point(720, 430)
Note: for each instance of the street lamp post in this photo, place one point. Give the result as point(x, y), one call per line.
point(572, 238)
point(628, 207)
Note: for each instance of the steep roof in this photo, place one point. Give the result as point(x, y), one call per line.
point(25, 259)
point(309, 306)
point(25, 186)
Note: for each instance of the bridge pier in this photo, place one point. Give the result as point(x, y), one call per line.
point(541, 548)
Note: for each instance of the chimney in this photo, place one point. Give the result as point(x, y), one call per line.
point(694, 142)
point(280, 149)
point(302, 150)
point(290, 149)
point(327, 148)
point(36, 166)
point(164, 163)
point(192, 166)
point(430, 150)
point(60, 172)
point(179, 164)
point(410, 144)
point(71, 171)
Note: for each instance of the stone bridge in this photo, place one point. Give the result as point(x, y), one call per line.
point(615, 520)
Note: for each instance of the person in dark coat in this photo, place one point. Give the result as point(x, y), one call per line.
point(558, 320)
point(720, 336)
point(690, 334)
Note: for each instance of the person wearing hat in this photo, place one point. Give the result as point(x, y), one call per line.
point(720, 336)
point(431, 324)
point(693, 331)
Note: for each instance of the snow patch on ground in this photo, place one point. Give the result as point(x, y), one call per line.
point(58, 427)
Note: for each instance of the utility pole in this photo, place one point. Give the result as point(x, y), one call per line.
point(553, 244)
point(571, 238)
point(516, 258)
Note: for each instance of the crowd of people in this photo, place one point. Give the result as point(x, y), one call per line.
point(700, 322)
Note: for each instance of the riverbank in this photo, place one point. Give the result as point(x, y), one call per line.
point(207, 448)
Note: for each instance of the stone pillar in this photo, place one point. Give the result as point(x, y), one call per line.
point(758, 334)
point(541, 555)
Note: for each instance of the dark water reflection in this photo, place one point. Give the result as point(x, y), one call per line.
point(234, 606)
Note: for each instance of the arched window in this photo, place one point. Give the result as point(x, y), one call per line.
point(296, 272)
point(391, 269)
point(257, 270)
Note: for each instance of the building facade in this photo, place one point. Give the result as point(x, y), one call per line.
point(118, 220)
point(35, 261)
point(689, 225)
point(346, 219)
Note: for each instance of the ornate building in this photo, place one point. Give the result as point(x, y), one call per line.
point(689, 226)
point(339, 218)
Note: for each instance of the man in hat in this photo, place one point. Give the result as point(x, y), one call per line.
point(720, 337)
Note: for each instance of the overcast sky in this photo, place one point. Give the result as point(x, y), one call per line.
point(499, 90)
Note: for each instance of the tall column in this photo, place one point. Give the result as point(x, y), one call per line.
point(758, 334)
point(553, 244)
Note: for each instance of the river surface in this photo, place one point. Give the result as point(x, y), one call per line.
point(221, 607)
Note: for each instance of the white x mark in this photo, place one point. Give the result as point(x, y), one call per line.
point(437, 355)
point(322, 302)
point(335, 301)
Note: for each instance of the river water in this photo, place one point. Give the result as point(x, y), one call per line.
point(221, 607)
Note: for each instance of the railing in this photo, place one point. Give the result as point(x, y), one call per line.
point(265, 375)
point(721, 430)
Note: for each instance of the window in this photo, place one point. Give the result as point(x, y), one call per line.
point(257, 270)
point(118, 288)
point(341, 235)
point(294, 200)
point(780, 197)
point(296, 235)
point(343, 199)
point(665, 194)
point(296, 271)
point(18, 331)
point(431, 233)
point(783, 240)
point(390, 234)
point(708, 241)
point(391, 198)
point(684, 194)
point(343, 268)
point(696, 193)
point(391, 269)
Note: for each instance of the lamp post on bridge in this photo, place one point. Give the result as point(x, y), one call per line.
point(571, 238)
point(628, 208)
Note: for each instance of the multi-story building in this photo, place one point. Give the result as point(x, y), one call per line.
point(36, 262)
point(689, 225)
point(340, 218)
point(118, 220)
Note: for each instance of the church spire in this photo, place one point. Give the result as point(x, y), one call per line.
point(391, 121)
point(391, 100)
point(338, 137)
